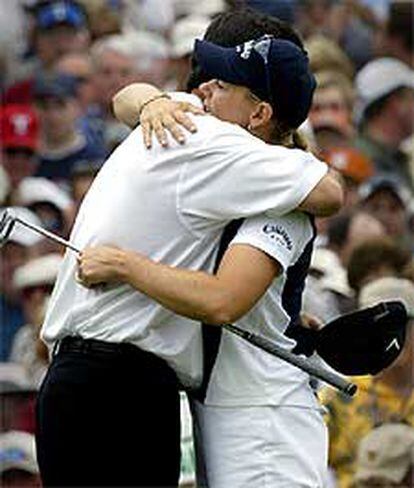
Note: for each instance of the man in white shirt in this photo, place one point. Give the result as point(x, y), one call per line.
point(112, 345)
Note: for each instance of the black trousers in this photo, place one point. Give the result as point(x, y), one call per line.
point(108, 416)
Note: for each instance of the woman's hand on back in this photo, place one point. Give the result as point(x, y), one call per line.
point(164, 115)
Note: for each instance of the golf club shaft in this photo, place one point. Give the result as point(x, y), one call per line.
point(48, 234)
point(330, 377)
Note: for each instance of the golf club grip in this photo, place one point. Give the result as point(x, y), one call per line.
point(330, 377)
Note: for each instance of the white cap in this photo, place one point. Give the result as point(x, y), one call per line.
point(334, 276)
point(34, 190)
point(185, 32)
point(389, 288)
point(38, 271)
point(17, 451)
point(21, 234)
point(379, 78)
point(385, 455)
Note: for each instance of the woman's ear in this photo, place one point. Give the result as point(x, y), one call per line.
point(260, 116)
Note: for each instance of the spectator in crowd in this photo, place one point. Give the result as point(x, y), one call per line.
point(340, 21)
point(326, 55)
point(388, 201)
point(399, 32)
point(328, 265)
point(387, 397)
point(19, 143)
point(80, 67)
point(209, 8)
point(118, 61)
point(12, 39)
point(61, 141)
point(122, 59)
point(348, 230)
point(374, 259)
point(51, 204)
point(60, 27)
point(104, 17)
point(326, 290)
point(385, 88)
point(282, 9)
point(354, 167)
point(157, 15)
point(18, 467)
point(313, 16)
point(331, 111)
point(183, 35)
point(34, 281)
point(82, 176)
point(386, 457)
point(20, 246)
point(379, 8)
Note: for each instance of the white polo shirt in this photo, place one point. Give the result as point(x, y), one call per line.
point(244, 375)
point(171, 205)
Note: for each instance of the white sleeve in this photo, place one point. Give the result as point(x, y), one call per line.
point(237, 175)
point(282, 238)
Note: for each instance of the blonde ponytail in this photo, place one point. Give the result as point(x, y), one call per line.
point(299, 141)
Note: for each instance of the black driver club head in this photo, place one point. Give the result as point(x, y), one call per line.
point(366, 341)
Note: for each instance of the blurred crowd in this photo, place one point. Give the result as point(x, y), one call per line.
point(61, 62)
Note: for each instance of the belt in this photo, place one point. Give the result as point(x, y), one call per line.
point(80, 345)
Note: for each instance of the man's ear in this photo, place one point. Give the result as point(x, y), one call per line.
point(260, 116)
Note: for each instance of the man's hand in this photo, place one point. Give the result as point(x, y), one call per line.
point(102, 264)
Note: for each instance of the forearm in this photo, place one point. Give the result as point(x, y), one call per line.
point(326, 198)
point(127, 103)
point(194, 294)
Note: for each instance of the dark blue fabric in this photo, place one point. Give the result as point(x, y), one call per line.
point(11, 319)
point(211, 334)
point(292, 296)
point(60, 170)
point(64, 12)
point(282, 9)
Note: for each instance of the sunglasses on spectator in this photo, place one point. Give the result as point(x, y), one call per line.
point(19, 151)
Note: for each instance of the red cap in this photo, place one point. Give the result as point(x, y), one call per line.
point(350, 162)
point(19, 127)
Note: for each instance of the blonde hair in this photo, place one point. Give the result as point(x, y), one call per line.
point(326, 55)
point(328, 78)
point(286, 136)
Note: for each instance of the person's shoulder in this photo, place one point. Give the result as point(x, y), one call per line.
point(289, 227)
point(299, 222)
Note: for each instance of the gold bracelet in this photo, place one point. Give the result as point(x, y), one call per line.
point(152, 99)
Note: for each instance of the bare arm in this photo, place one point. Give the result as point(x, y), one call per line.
point(323, 201)
point(326, 198)
point(130, 107)
point(127, 103)
point(244, 275)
